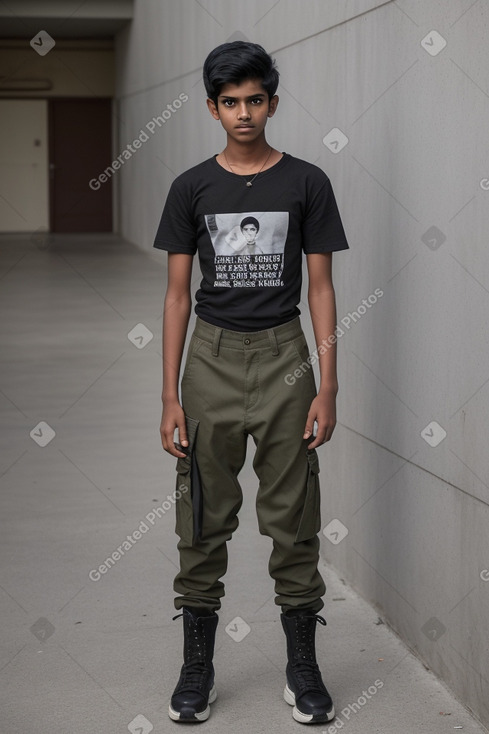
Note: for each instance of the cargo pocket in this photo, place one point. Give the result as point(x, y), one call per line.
point(310, 522)
point(189, 506)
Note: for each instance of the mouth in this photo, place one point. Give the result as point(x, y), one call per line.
point(244, 127)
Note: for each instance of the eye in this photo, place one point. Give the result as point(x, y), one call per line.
point(258, 100)
point(228, 103)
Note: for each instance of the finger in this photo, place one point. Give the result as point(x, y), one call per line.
point(169, 444)
point(309, 427)
point(317, 442)
point(182, 433)
point(319, 438)
point(175, 452)
point(330, 433)
point(325, 434)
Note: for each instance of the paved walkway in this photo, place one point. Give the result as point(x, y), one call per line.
point(88, 646)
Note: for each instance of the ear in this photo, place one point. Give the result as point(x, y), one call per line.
point(272, 105)
point(212, 109)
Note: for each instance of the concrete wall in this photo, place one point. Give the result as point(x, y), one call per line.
point(404, 479)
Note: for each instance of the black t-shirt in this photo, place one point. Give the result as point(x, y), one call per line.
point(250, 239)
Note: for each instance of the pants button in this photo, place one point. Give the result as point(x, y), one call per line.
point(247, 341)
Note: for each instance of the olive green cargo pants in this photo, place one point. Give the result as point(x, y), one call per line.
point(235, 384)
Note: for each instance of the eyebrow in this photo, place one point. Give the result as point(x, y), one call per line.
point(251, 96)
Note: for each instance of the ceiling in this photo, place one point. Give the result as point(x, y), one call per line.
point(64, 18)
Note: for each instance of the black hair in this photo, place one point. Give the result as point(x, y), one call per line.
point(235, 62)
point(250, 220)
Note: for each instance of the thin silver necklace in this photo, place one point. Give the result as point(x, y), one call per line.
point(248, 183)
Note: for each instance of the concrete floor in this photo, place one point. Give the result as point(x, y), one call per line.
point(82, 469)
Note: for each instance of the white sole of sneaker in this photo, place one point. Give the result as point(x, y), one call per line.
point(201, 716)
point(289, 697)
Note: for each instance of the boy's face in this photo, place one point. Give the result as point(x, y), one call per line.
point(243, 109)
point(249, 231)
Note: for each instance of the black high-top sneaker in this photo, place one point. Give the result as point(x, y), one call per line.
point(305, 690)
point(195, 689)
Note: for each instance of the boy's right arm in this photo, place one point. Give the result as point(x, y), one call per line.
point(176, 314)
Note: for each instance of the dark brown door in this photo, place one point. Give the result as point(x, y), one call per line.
point(80, 150)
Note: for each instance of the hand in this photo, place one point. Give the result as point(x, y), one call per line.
point(323, 411)
point(173, 417)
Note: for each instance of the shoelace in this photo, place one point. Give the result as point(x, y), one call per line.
point(308, 677)
point(194, 673)
point(307, 672)
point(194, 677)
point(304, 630)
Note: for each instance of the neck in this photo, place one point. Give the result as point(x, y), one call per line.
point(246, 153)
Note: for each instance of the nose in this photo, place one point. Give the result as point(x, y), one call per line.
point(243, 113)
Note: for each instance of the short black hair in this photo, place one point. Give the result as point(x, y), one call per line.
point(235, 62)
point(250, 220)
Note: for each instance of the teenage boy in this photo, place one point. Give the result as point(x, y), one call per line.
point(247, 340)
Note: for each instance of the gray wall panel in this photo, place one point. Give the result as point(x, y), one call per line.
point(408, 184)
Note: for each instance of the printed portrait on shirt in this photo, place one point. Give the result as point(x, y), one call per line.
point(249, 248)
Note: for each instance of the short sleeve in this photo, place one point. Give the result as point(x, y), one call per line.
point(177, 231)
point(322, 228)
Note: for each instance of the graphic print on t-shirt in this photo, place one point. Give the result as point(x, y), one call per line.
point(249, 248)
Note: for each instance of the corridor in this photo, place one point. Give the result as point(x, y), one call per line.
point(88, 545)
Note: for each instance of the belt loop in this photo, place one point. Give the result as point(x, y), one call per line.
point(273, 341)
point(215, 341)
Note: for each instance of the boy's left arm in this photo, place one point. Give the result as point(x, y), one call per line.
point(322, 306)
